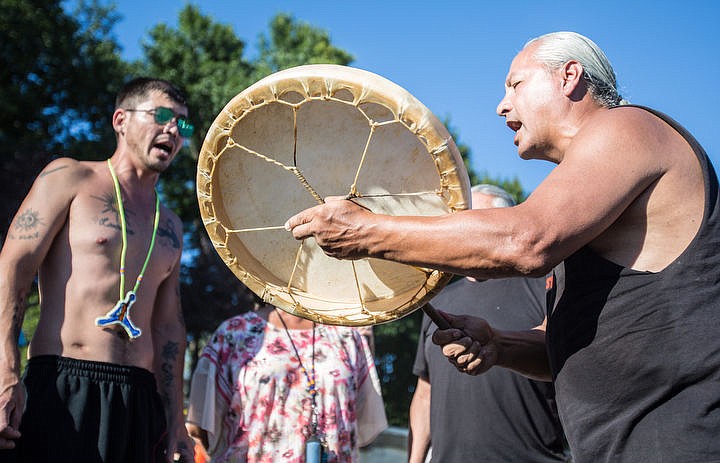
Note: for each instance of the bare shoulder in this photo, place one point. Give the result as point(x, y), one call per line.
point(615, 167)
point(67, 172)
point(620, 147)
point(652, 181)
point(66, 166)
point(623, 114)
point(55, 186)
point(170, 215)
point(630, 130)
point(627, 147)
point(45, 208)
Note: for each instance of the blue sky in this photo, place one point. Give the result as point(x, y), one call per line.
point(453, 55)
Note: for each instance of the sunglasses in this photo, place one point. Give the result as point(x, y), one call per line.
point(164, 115)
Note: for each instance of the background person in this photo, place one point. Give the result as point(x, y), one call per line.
point(105, 392)
point(629, 222)
point(266, 377)
point(497, 417)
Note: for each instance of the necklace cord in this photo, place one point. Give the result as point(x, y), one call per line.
point(123, 227)
point(311, 387)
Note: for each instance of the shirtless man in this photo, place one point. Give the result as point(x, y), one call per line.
point(102, 385)
point(628, 224)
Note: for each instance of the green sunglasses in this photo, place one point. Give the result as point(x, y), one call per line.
point(164, 115)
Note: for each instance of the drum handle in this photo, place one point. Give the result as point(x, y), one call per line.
point(435, 316)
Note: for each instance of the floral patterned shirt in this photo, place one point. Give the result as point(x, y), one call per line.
point(249, 393)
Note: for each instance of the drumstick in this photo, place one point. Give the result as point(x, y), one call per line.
point(435, 316)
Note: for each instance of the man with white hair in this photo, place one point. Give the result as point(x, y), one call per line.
point(628, 222)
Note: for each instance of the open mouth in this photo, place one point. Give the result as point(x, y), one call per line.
point(165, 147)
point(514, 125)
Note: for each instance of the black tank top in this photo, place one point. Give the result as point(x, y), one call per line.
point(636, 355)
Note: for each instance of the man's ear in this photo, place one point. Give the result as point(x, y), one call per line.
point(119, 118)
point(573, 82)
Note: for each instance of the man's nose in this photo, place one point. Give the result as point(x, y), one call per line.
point(171, 126)
point(503, 108)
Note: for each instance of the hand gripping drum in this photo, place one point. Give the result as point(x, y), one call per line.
point(305, 133)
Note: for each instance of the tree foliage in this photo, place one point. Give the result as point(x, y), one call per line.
point(293, 43)
point(58, 84)
point(58, 75)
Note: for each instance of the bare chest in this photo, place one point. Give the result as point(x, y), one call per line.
point(95, 234)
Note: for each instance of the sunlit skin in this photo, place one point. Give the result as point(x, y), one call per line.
point(626, 185)
point(144, 150)
point(150, 145)
point(76, 253)
point(532, 109)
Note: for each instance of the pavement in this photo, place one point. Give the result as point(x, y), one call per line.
point(389, 447)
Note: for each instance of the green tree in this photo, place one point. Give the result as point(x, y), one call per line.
point(293, 43)
point(58, 73)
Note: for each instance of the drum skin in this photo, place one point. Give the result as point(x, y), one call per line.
point(300, 135)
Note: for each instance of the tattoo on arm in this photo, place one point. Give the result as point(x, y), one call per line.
point(26, 226)
point(18, 317)
point(43, 174)
point(169, 358)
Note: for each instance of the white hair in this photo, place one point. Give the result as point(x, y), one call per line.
point(501, 198)
point(557, 48)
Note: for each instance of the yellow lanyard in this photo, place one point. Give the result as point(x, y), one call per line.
point(120, 313)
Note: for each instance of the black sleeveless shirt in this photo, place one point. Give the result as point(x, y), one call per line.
point(635, 355)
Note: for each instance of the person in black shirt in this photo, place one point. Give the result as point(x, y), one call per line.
point(502, 415)
point(628, 222)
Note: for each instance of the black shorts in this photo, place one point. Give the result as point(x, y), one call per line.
point(83, 411)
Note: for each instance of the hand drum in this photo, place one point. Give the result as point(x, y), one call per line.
point(300, 135)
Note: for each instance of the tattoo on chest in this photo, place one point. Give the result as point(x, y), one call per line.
point(167, 231)
point(26, 226)
point(110, 216)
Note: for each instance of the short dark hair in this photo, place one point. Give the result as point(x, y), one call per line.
point(140, 87)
